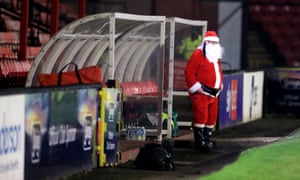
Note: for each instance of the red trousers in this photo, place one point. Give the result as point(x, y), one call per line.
point(205, 110)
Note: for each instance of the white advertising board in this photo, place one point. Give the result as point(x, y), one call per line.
point(253, 95)
point(12, 140)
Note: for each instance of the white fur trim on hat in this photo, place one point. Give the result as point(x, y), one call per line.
point(211, 38)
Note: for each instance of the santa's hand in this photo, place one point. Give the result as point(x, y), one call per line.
point(200, 90)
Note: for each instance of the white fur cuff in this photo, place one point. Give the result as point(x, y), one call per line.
point(195, 87)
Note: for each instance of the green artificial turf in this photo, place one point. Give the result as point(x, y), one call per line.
point(279, 160)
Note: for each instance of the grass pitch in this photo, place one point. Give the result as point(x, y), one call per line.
point(279, 160)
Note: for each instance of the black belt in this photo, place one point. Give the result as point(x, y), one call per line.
point(211, 91)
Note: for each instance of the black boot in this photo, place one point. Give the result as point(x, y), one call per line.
point(207, 132)
point(199, 139)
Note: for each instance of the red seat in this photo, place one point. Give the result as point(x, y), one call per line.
point(283, 9)
point(272, 29)
point(295, 9)
point(293, 62)
point(6, 53)
point(296, 21)
point(296, 44)
point(45, 17)
point(44, 3)
point(9, 39)
point(265, 1)
point(280, 1)
point(32, 52)
point(282, 20)
point(139, 88)
point(253, 1)
point(268, 9)
point(44, 38)
point(12, 25)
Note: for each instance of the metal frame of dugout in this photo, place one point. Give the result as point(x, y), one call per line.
point(177, 29)
point(128, 47)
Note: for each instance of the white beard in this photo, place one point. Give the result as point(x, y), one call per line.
point(213, 52)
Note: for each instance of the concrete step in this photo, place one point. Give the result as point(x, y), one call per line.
point(253, 56)
point(257, 53)
point(260, 63)
point(256, 48)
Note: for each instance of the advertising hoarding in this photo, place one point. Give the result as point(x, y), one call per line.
point(231, 101)
point(253, 95)
point(59, 131)
point(36, 127)
point(73, 115)
point(12, 137)
point(108, 127)
point(283, 90)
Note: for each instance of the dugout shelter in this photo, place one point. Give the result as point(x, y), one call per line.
point(128, 47)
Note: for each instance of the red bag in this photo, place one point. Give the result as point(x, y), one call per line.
point(86, 75)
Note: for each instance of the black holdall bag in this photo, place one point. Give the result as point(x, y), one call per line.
point(154, 156)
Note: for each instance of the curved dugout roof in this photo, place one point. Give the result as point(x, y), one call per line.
point(128, 47)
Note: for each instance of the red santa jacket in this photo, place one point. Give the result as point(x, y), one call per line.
point(200, 71)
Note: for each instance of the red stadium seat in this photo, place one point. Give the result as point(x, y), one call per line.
point(44, 38)
point(10, 39)
point(6, 53)
point(268, 9)
point(296, 44)
point(296, 21)
point(280, 1)
point(139, 88)
point(32, 52)
point(12, 25)
point(45, 17)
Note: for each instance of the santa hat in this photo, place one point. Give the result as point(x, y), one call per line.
point(211, 36)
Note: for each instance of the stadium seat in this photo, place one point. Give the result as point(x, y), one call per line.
point(296, 44)
point(280, 1)
point(293, 62)
point(45, 17)
point(253, 1)
point(262, 1)
point(44, 38)
point(9, 39)
point(139, 88)
point(6, 53)
point(272, 29)
point(295, 21)
point(67, 10)
point(255, 12)
point(12, 25)
point(268, 9)
point(44, 3)
point(32, 52)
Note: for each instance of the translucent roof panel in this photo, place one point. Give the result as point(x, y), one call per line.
point(136, 50)
point(126, 46)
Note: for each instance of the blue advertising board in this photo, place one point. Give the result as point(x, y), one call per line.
point(231, 101)
point(37, 107)
point(59, 131)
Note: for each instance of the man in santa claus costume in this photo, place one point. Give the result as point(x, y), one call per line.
point(204, 79)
